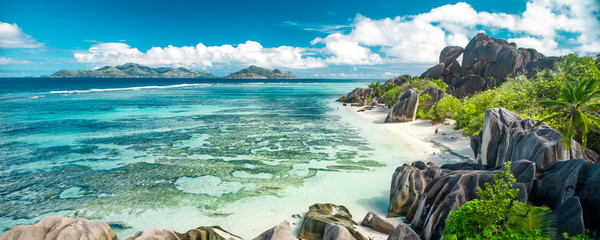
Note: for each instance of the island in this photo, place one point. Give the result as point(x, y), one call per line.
point(134, 70)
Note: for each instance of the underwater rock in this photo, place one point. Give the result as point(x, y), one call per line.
point(320, 215)
point(61, 228)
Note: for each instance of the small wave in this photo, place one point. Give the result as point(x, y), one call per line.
point(38, 96)
point(130, 88)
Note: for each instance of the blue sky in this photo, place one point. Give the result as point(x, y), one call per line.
point(315, 39)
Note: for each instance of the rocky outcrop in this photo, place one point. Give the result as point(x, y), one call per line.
point(279, 232)
point(434, 72)
point(322, 214)
point(408, 185)
point(508, 63)
point(436, 94)
point(358, 95)
point(467, 86)
point(558, 183)
point(570, 216)
point(480, 54)
point(405, 110)
point(155, 233)
point(379, 224)
point(540, 64)
point(61, 228)
point(506, 137)
point(200, 233)
point(397, 81)
point(403, 232)
point(336, 232)
point(449, 54)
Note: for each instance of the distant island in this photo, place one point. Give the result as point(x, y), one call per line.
point(134, 70)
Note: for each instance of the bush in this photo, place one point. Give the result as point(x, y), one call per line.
point(391, 97)
point(425, 103)
point(445, 108)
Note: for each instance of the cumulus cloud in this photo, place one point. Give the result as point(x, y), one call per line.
point(7, 60)
point(11, 36)
point(200, 56)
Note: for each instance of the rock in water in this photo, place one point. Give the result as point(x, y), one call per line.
point(61, 228)
point(408, 184)
point(434, 72)
point(337, 232)
point(279, 232)
point(322, 214)
point(375, 222)
point(505, 137)
point(405, 110)
point(403, 232)
point(155, 233)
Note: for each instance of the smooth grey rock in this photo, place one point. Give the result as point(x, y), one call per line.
point(403, 232)
point(207, 233)
point(379, 224)
point(397, 81)
point(405, 110)
point(505, 137)
point(155, 233)
point(509, 61)
point(436, 94)
point(535, 66)
point(337, 232)
point(569, 217)
point(434, 72)
point(279, 232)
point(480, 54)
point(358, 95)
point(61, 228)
point(408, 184)
point(322, 214)
point(449, 54)
point(463, 166)
point(468, 86)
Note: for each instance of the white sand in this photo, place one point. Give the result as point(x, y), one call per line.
point(359, 191)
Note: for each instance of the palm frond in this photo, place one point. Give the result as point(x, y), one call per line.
point(529, 218)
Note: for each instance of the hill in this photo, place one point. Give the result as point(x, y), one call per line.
point(133, 70)
point(255, 72)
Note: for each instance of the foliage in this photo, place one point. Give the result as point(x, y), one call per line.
point(425, 103)
point(493, 215)
point(377, 89)
point(572, 107)
point(391, 97)
point(585, 236)
point(445, 108)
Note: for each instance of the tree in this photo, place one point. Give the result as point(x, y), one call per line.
point(573, 108)
point(377, 89)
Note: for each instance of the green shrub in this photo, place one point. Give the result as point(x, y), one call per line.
point(425, 103)
point(445, 108)
point(391, 97)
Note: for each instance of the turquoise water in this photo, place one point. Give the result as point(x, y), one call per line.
point(99, 147)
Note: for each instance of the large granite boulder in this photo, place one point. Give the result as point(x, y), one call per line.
point(570, 216)
point(529, 54)
point(434, 72)
point(207, 233)
point(506, 137)
point(155, 233)
point(337, 232)
point(535, 66)
point(467, 86)
point(408, 184)
point(449, 54)
point(397, 81)
point(61, 228)
point(509, 61)
point(279, 232)
point(436, 94)
point(560, 181)
point(358, 95)
point(403, 232)
point(379, 224)
point(480, 54)
point(322, 214)
point(405, 110)
point(443, 195)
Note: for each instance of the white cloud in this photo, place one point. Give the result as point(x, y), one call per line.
point(7, 60)
point(201, 56)
point(11, 36)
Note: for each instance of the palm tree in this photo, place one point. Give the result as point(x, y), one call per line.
point(573, 108)
point(377, 89)
point(530, 218)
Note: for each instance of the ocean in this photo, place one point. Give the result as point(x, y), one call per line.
point(183, 153)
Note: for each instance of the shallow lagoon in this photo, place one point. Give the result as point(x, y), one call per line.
point(245, 156)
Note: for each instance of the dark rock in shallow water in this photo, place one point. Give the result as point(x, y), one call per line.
point(408, 184)
point(405, 110)
point(468, 86)
point(322, 214)
point(570, 218)
point(61, 228)
point(279, 232)
point(375, 222)
point(434, 72)
point(403, 232)
point(505, 137)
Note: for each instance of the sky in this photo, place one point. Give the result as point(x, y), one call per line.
point(376, 39)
